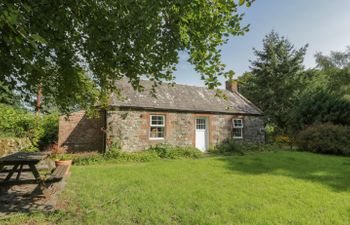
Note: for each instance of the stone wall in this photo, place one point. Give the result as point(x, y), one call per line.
point(11, 145)
point(253, 131)
point(79, 133)
point(130, 128)
point(221, 127)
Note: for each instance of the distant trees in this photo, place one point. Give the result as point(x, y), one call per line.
point(321, 106)
point(327, 96)
point(293, 98)
point(335, 70)
point(336, 59)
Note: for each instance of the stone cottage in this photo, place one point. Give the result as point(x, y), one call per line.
point(180, 115)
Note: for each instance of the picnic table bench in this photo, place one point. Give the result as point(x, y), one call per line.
point(20, 160)
point(57, 174)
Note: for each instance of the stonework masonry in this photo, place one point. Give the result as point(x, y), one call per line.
point(130, 128)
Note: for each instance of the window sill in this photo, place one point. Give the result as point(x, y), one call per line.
point(156, 139)
point(237, 137)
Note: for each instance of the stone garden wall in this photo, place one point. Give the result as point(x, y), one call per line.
point(11, 145)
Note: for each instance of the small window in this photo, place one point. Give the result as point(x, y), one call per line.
point(238, 123)
point(200, 124)
point(238, 128)
point(157, 127)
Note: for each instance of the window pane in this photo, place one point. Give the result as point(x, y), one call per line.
point(237, 132)
point(157, 132)
point(157, 120)
point(238, 123)
point(200, 124)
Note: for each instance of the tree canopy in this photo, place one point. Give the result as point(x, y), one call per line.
point(293, 98)
point(335, 69)
point(327, 96)
point(75, 50)
point(336, 59)
point(321, 106)
point(274, 81)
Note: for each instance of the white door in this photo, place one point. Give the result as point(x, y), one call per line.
point(202, 134)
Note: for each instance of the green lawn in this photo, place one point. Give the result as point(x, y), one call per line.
point(260, 188)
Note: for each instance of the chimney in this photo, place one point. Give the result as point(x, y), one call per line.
point(232, 85)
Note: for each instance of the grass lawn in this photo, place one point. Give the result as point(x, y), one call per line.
point(260, 188)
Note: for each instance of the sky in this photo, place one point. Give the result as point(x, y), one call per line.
point(323, 24)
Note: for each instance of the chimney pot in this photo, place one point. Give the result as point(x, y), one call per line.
point(232, 85)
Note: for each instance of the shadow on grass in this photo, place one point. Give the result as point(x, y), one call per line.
point(333, 171)
point(23, 200)
point(29, 198)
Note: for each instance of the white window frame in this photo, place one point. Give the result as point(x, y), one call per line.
point(237, 127)
point(156, 125)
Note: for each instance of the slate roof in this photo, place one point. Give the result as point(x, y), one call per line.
point(182, 98)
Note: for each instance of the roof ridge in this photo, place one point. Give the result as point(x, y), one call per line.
point(187, 85)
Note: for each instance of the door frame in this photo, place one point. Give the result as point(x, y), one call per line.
point(207, 130)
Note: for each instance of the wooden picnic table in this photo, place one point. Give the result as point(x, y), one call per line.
point(18, 161)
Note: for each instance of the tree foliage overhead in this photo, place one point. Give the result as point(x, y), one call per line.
point(76, 49)
point(274, 81)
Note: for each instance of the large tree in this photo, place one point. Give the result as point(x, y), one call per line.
point(335, 69)
point(274, 81)
point(75, 50)
point(327, 96)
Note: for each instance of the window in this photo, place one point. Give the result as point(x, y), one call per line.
point(238, 128)
point(157, 125)
point(200, 124)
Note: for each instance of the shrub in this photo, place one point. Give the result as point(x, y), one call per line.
point(322, 106)
point(229, 146)
point(187, 152)
point(175, 152)
point(285, 140)
point(325, 138)
point(41, 131)
point(164, 151)
point(88, 160)
point(49, 124)
point(15, 122)
point(113, 152)
point(143, 156)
